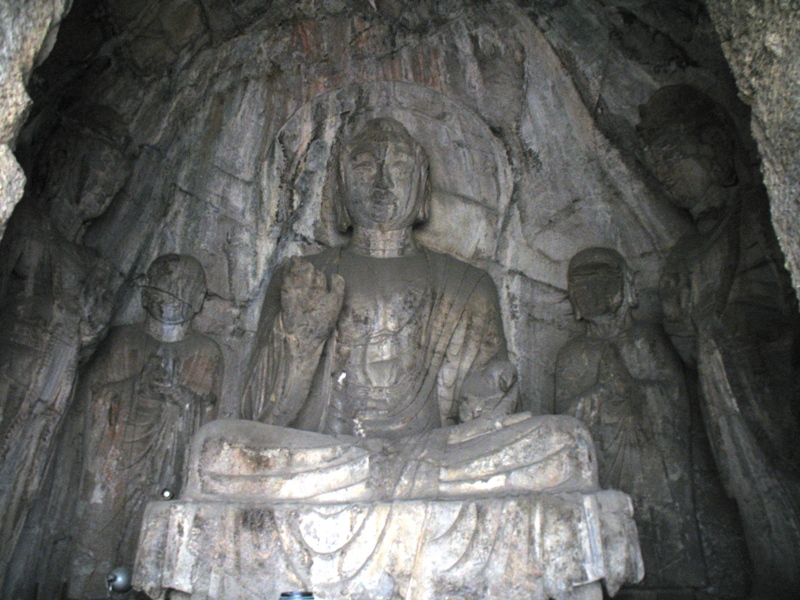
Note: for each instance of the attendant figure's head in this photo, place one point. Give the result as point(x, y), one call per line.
point(383, 179)
point(175, 288)
point(689, 146)
point(600, 285)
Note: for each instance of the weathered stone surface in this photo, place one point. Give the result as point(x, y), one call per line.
point(761, 41)
point(539, 546)
point(27, 34)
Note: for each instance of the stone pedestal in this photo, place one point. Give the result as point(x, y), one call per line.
point(533, 546)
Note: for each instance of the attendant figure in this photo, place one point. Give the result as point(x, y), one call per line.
point(624, 381)
point(149, 388)
point(56, 298)
point(731, 313)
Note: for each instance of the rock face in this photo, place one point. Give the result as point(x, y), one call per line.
point(226, 123)
point(760, 42)
point(27, 35)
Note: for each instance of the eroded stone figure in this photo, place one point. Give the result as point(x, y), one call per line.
point(148, 390)
point(730, 311)
point(56, 297)
point(624, 381)
point(386, 341)
point(382, 456)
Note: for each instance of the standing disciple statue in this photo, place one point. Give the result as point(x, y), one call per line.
point(624, 381)
point(149, 389)
point(55, 304)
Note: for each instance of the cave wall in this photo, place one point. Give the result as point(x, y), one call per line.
point(174, 90)
point(232, 110)
point(760, 41)
point(28, 31)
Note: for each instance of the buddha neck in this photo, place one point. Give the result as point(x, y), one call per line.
point(611, 325)
point(167, 332)
point(383, 244)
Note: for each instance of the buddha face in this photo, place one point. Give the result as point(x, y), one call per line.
point(381, 172)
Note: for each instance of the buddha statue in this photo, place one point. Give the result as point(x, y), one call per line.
point(380, 454)
point(399, 351)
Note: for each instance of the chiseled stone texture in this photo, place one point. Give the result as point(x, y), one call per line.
point(231, 106)
point(538, 546)
point(761, 41)
point(27, 33)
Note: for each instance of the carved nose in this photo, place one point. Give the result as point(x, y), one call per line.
point(384, 179)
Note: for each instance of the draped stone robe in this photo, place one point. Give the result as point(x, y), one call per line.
point(451, 322)
point(141, 402)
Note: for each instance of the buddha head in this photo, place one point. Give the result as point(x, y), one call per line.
point(383, 179)
point(689, 146)
point(174, 289)
point(600, 284)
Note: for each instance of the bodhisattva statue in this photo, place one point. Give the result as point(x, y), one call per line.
point(730, 312)
point(149, 389)
point(382, 457)
point(56, 298)
point(387, 342)
point(624, 381)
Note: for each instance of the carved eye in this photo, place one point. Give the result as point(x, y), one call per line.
point(363, 162)
point(402, 162)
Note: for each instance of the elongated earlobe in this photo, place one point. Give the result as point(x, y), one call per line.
point(575, 310)
point(423, 185)
point(343, 222)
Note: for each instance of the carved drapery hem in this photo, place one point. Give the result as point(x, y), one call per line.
point(533, 546)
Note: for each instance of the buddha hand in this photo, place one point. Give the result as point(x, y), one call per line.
point(309, 308)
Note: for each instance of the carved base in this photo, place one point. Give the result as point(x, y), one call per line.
point(536, 546)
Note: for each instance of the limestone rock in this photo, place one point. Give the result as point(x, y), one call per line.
point(27, 34)
point(761, 42)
